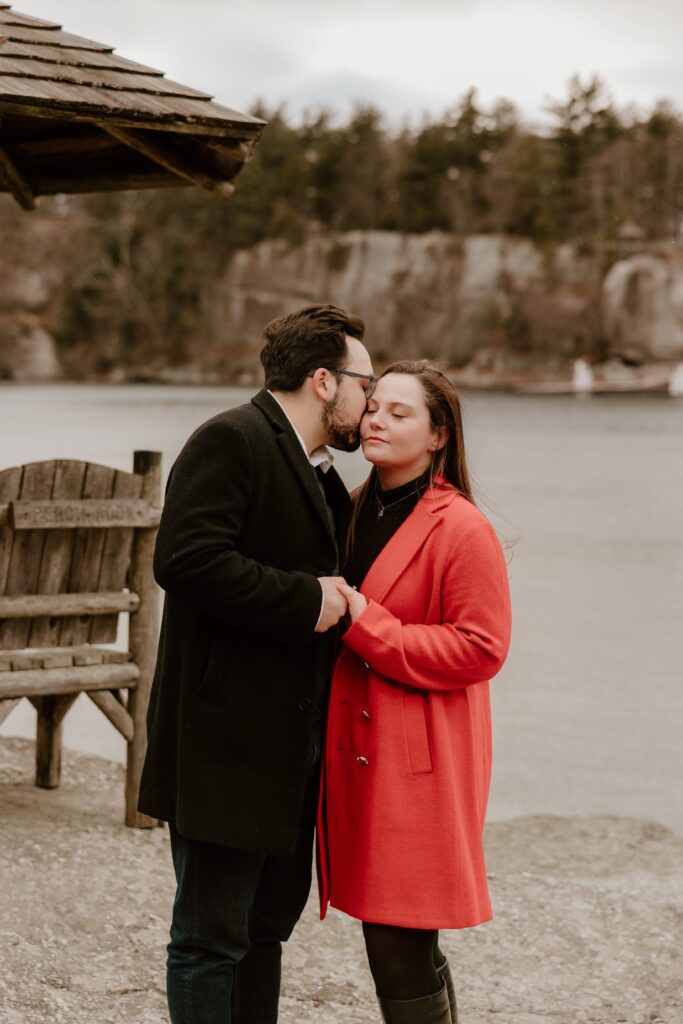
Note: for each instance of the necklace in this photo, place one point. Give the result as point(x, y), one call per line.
point(381, 509)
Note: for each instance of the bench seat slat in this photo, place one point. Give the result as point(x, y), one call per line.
point(76, 678)
point(27, 606)
point(60, 657)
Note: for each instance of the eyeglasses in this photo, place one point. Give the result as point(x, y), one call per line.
point(347, 373)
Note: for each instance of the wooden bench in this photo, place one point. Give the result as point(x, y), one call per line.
point(76, 546)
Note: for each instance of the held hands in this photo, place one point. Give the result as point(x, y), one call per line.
point(338, 600)
point(335, 604)
point(355, 600)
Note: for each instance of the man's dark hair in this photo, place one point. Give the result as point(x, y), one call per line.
point(296, 344)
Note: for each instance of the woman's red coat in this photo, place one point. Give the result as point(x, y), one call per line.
point(408, 752)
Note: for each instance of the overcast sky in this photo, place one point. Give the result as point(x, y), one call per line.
point(405, 56)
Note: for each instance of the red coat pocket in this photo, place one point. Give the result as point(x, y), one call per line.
point(417, 732)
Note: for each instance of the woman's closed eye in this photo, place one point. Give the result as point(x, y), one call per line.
point(372, 410)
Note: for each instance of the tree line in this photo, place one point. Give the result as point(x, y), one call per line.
point(592, 170)
point(139, 267)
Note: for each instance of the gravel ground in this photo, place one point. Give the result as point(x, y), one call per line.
point(587, 926)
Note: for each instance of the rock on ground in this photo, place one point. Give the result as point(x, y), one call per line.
point(587, 921)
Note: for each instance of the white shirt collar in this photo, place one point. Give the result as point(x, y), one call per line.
point(321, 456)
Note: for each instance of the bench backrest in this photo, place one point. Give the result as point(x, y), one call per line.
point(69, 528)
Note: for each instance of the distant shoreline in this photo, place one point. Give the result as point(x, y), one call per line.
point(609, 377)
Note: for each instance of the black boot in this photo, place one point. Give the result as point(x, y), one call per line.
point(444, 972)
point(426, 1010)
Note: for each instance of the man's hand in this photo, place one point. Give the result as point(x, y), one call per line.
point(334, 602)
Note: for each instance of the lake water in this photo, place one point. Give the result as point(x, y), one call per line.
point(588, 495)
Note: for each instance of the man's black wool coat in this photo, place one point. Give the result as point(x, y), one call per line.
point(243, 536)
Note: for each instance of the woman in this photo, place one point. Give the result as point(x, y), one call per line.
point(408, 752)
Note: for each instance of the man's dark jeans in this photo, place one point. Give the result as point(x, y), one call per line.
point(232, 912)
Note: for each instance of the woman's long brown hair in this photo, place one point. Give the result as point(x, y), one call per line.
point(445, 411)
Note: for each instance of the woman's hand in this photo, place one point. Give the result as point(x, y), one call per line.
point(356, 601)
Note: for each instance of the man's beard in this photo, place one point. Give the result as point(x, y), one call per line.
point(341, 434)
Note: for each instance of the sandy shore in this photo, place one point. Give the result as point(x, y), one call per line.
point(588, 923)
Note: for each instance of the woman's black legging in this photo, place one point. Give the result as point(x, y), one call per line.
point(403, 961)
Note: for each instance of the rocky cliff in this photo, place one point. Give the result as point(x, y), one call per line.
point(642, 303)
point(492, 305)
point(27, 349)
point(488, 300)
point(489, 303)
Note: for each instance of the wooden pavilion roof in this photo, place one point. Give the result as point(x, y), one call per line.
point(76, 117)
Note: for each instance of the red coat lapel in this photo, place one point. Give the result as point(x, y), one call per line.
point(397, 554)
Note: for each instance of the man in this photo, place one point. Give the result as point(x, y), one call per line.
point(248, 554)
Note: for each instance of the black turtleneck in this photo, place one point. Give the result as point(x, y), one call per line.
point(384, 512)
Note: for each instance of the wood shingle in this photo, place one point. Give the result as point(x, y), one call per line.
point(76, 117)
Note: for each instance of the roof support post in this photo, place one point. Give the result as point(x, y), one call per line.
point(14, 181)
